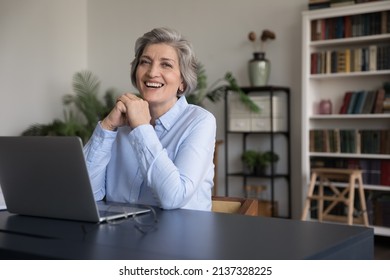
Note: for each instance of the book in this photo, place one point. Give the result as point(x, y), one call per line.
point(384, 20)
point(386, 101)
point(371, 141)
point(333, 59)
point(323, 62)
point(369, 102)
point(376, 141)
point(313, 28)
point(347, 26)
point(320, 5)
point(347, 60)
point(357, 60)
point(372, 58)
point(339, 32)
point(341, 63)
point(383, 53)
point(373, 173)
point(346, 141)
point(313, 63)
point(386, 105)
point(344, 106)
point(352, 102)
point(358, 141)
point(311, 141)
point(334, 141)
point(341, 3)
point(385, 143)
point(328, 62)
point(361, 98)
point(365, 59)
point(380, 97)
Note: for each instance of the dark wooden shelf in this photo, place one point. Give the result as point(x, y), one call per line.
point(269, 91)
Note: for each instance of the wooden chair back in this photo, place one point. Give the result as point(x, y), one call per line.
point(237, 205)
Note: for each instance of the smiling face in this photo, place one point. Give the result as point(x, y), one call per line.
point(158, 76)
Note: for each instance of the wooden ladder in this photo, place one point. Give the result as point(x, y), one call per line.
point(326, 178)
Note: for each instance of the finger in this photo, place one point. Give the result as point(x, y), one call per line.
point(121, 106)
point(130, 96)
point(127, 97)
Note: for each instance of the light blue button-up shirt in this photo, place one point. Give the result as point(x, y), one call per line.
point(169, 165)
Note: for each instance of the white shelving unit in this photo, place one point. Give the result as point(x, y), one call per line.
point(333, 86)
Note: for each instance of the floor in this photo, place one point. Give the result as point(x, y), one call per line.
point(382, 247)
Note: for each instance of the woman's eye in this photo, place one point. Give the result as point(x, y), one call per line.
point(144, 61)
point(167, 65)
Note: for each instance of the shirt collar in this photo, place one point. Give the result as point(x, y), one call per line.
point(170, 118)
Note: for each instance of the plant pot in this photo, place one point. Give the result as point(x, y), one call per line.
point(259, 68)
point(268, 170)
point(260, 170)
point(248, 170)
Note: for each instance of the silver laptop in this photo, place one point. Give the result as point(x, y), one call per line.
point(47, 177)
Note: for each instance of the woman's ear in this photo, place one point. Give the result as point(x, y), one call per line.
point(181, 88)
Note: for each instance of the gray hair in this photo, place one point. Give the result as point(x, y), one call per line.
point(187, 61)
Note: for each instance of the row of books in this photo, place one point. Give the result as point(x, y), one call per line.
point(378, 206)
point(365, 102)
point(349, 141)
point(375, 172)
point(351, 26)
point(321, 4)
point(386, 101)
point(370, 58)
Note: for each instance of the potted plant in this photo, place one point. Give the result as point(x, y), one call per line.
point(83, 110)
point(250, 161)
point(271, 158)
point(254, 162)
point(262, 163)
point(259, 67)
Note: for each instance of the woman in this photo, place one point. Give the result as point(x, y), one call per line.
point(157, 149)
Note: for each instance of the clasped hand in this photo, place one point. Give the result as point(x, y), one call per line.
point(129, 110)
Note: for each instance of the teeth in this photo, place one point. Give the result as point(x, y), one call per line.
point(155, 85)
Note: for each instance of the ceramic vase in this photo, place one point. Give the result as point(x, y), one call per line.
point(259, 68)
point(325, 107)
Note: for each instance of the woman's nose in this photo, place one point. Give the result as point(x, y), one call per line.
point(153, 70)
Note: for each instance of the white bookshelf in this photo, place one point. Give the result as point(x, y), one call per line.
point(333, 86)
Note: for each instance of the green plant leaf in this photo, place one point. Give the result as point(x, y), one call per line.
point(83, 109)
point(217, 90)
point(243, 97)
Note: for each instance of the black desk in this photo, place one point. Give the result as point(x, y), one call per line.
point(183, 234)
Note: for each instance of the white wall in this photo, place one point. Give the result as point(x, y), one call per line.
point(44, 42)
